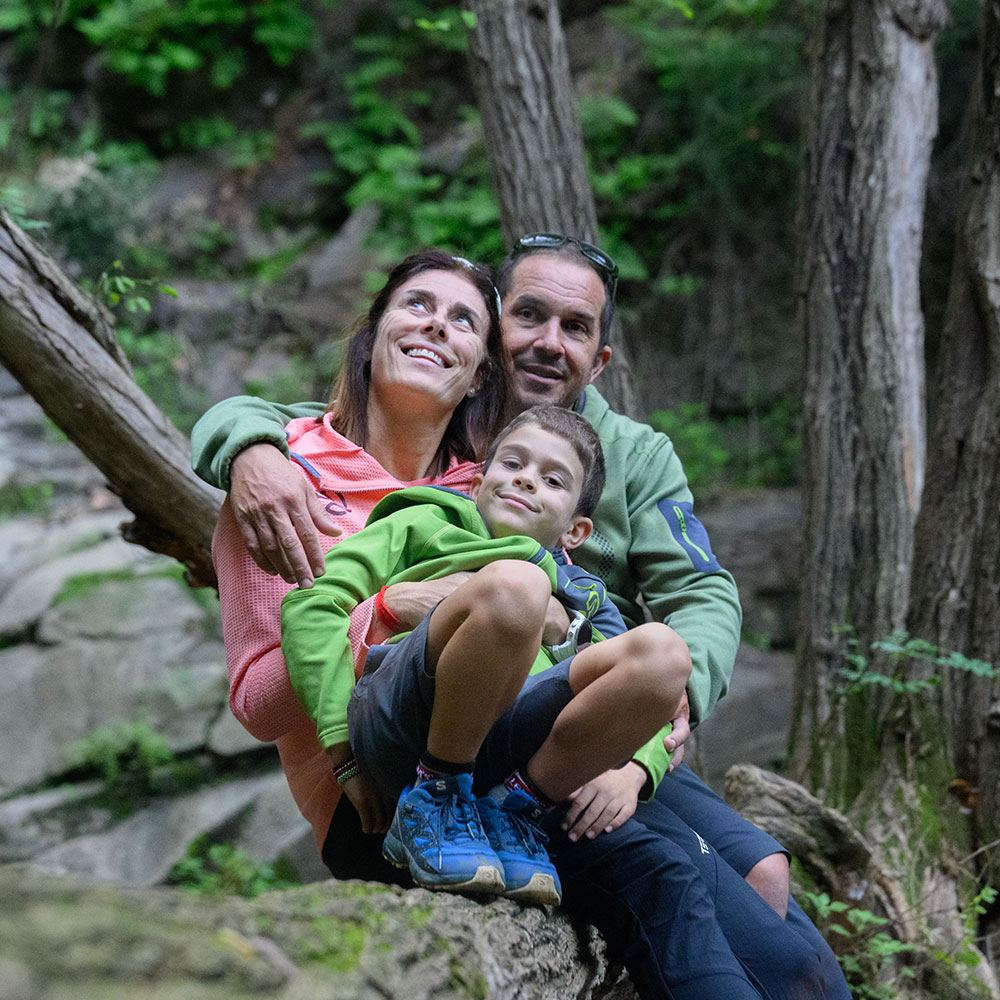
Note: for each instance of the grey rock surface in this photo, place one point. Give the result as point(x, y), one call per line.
point(61, 937)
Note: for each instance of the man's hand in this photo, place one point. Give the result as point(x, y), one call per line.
point(674, 743)
point(279, 515)
point(604, 803)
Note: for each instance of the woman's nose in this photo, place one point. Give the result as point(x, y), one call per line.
point(435, 325)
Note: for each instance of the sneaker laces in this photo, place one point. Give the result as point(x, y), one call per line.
point(456, 819)
point(516, 827)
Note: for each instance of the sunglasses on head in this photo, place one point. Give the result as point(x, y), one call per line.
point(479, 269)
point(604, 263)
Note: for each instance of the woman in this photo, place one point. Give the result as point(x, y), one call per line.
point(421, 393)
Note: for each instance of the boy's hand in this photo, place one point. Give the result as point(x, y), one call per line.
point(374, 810)
point(674, 743)
point(604, 803)
point(279, 515)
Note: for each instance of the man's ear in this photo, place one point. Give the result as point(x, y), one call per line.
point(477, 481)
point(601, 358)
point(577, 533)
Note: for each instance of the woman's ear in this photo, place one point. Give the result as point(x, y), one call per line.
point(577, 533)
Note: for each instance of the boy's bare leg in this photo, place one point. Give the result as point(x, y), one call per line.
point(625, 690)
point(481, 642)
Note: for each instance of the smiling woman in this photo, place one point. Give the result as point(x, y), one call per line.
point(421, 394)
point(427, 360)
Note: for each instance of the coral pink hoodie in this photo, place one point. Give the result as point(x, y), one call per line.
point(351, 482)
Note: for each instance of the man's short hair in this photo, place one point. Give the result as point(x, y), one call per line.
point(571, 427)
point(505, 274)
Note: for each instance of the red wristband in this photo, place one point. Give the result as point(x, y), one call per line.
point(388, 619)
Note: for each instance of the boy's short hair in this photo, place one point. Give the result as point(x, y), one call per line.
point(571, 427)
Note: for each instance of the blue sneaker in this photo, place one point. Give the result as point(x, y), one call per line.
point(437, 834)
point(513, 826)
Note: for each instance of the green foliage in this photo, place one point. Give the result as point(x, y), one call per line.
point(867, 950)
point(24, 498)
point(289, 385)
point(219, 869)
point(711, 133)
point(117, 288)
point(760, 449)
point(83, 583)
point(696, 440)
point(905, 655)
point(15, 203)
point(398, 95)
point(148, 41)
point(765, 444)
point(89, 213)
point(129, 757)
point(161, 362)
point(876, 964)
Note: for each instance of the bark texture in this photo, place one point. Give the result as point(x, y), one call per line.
point(956, 571)
point(531, 124)
point(59, 343)
point(834, 858)
point(873, 115)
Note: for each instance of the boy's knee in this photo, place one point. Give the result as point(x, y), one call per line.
point(660, 659)
point(512, 593)
point(658, 647)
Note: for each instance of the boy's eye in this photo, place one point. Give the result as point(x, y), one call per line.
point(554, 481)
point(510, 463)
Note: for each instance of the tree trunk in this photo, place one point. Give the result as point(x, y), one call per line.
point(60, 345)
point(520, 71)
point(873, 115)
point(956, 571)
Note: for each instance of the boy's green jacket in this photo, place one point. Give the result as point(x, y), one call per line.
point(416, 534)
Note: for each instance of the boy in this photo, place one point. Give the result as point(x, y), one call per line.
point(453, 694)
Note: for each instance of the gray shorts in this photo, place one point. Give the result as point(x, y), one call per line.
point(389, 715)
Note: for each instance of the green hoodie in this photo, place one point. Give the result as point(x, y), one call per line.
point(420, 533)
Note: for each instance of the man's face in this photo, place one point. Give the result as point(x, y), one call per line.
point(551, 326)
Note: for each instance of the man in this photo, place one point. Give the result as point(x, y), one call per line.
point(557, 298)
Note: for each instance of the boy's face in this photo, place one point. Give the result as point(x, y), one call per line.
point(532, 487)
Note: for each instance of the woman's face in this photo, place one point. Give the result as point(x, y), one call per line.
point(430, 341)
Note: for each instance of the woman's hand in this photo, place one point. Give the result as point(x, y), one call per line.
point(605, 802)
point(410, 602)
point(556, 623)
point(375, 811)
point(279, 515)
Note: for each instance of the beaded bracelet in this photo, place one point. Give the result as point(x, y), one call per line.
point(389, 620)
point(349, 769)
